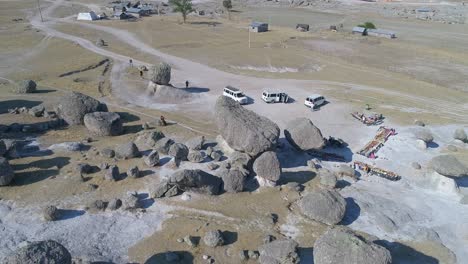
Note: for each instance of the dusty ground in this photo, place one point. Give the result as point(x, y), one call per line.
point(419, 75)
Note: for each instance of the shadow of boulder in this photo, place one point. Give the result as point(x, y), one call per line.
point(405, 254)
point(8, 104)
point(185, 257)
point(353, 211)
point(30, 177)
point(300, 177)
point(66, 214)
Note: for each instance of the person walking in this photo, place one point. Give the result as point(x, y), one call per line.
point(141, 74)
point(130, 62)
point(186, 84)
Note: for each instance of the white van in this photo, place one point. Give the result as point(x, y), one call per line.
point(314, 101)
point(235, 94)
point(275, 97)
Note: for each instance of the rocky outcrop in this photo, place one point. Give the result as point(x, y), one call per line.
point(195, 156)
point(325, 206)
point(74, 106)
point(196, 181)
point(279, 251)
point(267, 166)
point(449, 166)
point(47, 252)
point(148, 139)
point(103, 124)
point(244, 130)
point(163, 145)
point(26, 86)
point(303, 135)
point(6, 172)
point(340, 245)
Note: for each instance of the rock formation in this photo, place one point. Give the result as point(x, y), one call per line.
point(303, 135)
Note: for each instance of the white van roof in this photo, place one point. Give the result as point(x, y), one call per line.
point(272, 92)
point(232, 88)
point(313, 96)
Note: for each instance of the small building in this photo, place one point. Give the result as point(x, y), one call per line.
point(302, 27)
point(137, 11)
point(88, 16)
point(258, 27)
point(360, 30)
point(381, 33)
point(122, 15)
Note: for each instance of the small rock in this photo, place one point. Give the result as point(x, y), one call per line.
point(112, 174)
point(133, 172)
point(452, 148)
point(99, 205)
point(243, 255)
point(190, 241)
point(327, 178)
point(145, 126)
point(416, 165)
point(195, 156)
point(419, 123)
point(195, 143)
point(311, 164)
point(152, 159)
point(216, 155)
point(253, 254)
point(163, 145)
point(186, 197)
point(107, 153)
point(92, 187)
point(179, 151)
point(173, 191)
point(213, 238)
point(421, 144)
point(212, 166)
point(268, 239)
point(205, 257)
point(37, 110)
point(114, 204)
point(424, 135)
point(460, 134)
point(51, 213)
point(127, 151)
point(104, 166)
point(131, 201)
point(180, 240)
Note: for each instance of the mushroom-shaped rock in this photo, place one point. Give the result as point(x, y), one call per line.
point(448, 165)
point(268, 166)
point(47, 252)
point(26, 86)
point(244, 130)
point(340, 245)
point(74, 106)
point(279, 251)
point(127, 151)
point(6, 172)
point(326, 206)
point(196, 181)
point(161, 73)
point(103, 124)
point(234, 181)
point(423, 134)
point(304, 135)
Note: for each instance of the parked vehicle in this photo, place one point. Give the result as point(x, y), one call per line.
point(314, 101)
point(235, 94)
point(275, 97)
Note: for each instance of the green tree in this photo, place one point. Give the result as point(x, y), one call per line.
point(182, 6)
point(228, 5)
point(368, 25)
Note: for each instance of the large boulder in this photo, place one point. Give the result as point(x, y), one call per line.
point(74, 106)
point(239, 160)
point(103, 124)
point(152, 159)
point(423, 134)
point(196, 181)
point(326, 206)
point(234, 181)
point(279, 252)
point(161, 73)
point(127, 151)
point(179, 151)
point(244, 130)
point(268, 166)
point(26, 86)
point(213, 238)
point(195, 156)
point(460, 134)
point(44, 252)
point(448, 165)
point(340, 245)
point(327, 178)
point(6, 172)
point(303, 135)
